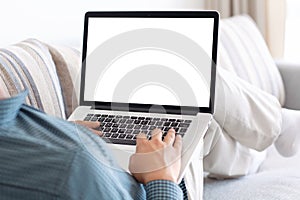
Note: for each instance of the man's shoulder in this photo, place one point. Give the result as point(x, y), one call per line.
point(52, 131)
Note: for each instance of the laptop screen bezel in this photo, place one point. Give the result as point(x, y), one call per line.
point(150, 107)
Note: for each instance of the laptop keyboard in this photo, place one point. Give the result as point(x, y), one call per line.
point(119, 129)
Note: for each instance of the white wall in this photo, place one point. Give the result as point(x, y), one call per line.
point(61, 21)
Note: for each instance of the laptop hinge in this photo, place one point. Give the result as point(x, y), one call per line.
point(152, 110)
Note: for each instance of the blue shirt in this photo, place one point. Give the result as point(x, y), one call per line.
point(42, 157)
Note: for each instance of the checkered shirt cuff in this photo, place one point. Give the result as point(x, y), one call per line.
point(163, 189)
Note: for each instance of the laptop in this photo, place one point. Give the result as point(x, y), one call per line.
point(146, 70)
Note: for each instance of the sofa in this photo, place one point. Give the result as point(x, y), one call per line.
point(244, 53)
point(48, 73)
point(51, 74)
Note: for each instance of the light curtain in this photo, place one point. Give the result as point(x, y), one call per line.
point(269, 16)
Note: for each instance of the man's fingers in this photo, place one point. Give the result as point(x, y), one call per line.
point(141, 138)
point(92, 126)
point(88, 124)
point(156, 134)
point(178, 143)
point(170, 137)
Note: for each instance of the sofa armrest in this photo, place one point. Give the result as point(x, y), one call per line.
point(290, 73)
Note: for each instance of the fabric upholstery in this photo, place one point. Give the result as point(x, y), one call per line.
point(50, 73)
point(29, 65)
point(243, 51)
point(271, 185)
point(67, 62)
point(290, 73)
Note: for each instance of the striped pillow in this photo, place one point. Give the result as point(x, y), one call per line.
point(243, 51)
point(29, 65)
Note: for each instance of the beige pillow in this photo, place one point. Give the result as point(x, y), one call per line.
point(68, 65)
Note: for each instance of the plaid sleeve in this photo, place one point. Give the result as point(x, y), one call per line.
point(183, 188)
point(163, 189)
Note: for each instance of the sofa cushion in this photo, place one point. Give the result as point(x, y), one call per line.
point(68, 65)
point(29, 65)
point(270, 185)
point(243, 51)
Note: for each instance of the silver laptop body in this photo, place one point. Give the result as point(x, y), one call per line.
point(146, 70)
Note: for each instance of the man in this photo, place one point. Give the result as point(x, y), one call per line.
point(42, 157)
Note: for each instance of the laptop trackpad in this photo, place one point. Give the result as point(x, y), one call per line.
point(122, 153)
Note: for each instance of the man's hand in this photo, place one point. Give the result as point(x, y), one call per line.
point(93, 126)
point(156, 159)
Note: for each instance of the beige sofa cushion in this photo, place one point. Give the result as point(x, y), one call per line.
point(68, 65)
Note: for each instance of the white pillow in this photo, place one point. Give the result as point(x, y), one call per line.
point(242, 50)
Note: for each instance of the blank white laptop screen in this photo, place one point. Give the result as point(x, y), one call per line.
point(138, 60)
